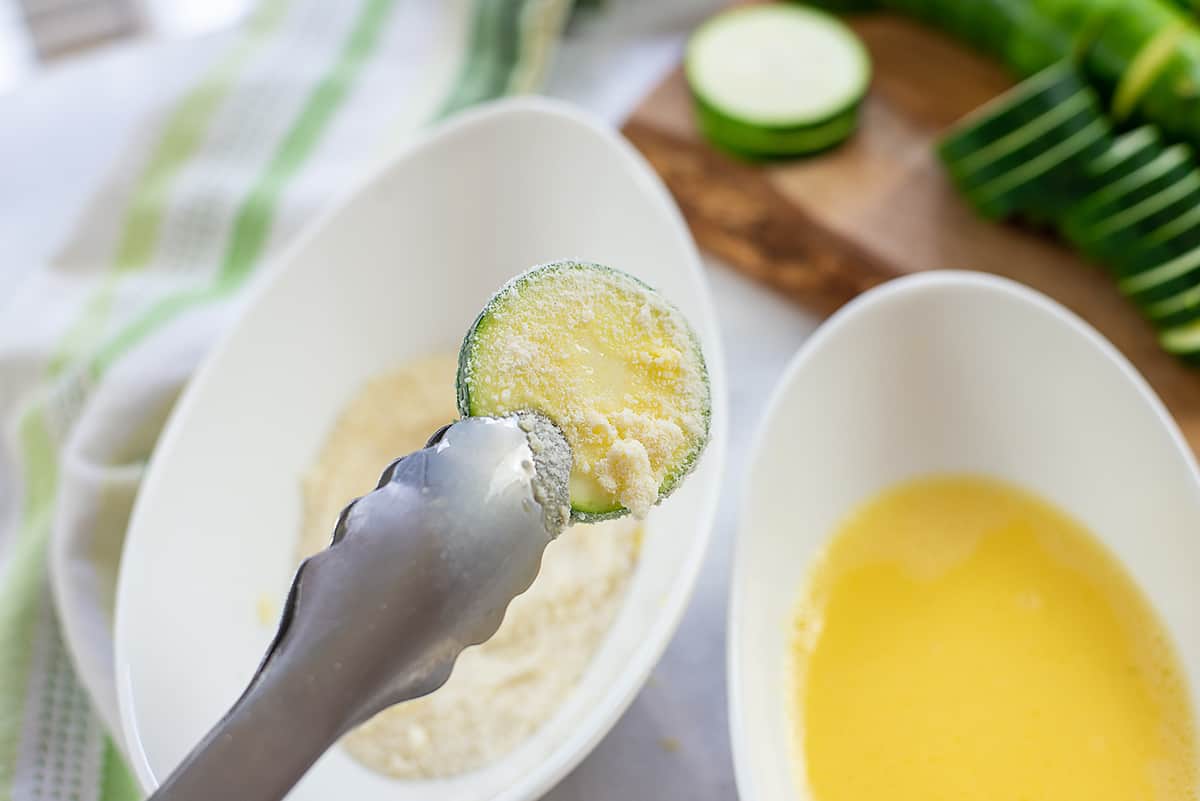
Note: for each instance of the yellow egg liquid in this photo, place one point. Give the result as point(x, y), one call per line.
point(962, 640)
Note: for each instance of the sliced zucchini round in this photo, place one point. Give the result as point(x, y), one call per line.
point(1010, 111)
point(1183, 341)
point(1037, 125)
point(1024, 151)
point(1160, 174)
point(1148, 259)
point(1015, 148)
point(1166, 243)
point(1034, 186)
point(1128, 152)
point(1164, 280)
point(1122, 231)
point(1180, 308)
point(776, 80)
point(1180, 234)
point(610, 362)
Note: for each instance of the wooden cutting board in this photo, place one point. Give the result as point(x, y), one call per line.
point(824, 229)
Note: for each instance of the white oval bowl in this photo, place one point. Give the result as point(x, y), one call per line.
point(396, 271)
point(947, 372)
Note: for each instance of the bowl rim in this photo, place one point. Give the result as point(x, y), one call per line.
point(745, 775)
point(628, 683)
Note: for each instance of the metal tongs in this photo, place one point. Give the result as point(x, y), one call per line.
point(419, 569)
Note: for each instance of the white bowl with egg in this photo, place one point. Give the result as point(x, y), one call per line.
point(395, 272)
point(947, 372)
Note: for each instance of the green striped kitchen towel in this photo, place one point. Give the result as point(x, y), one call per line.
point(95, 348)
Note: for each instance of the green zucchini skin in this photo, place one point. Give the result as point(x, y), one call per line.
point(1017, 32)
point(1191, 7)
point(1083, 224)
point(1179, 309)
point(1171, 98)
point(846, 6)
point(1164, 280)
point(1103, 36)
point(1169, 166)
point(1169, 242)
point(1119, 33)
point(1010, 111)
point(1128, 153)
point(1034, 188)
point(1026, 152)
point(766, 143)
point(1126, 229)
point(479, 328)
point(1183, 342)
point(1052, 126)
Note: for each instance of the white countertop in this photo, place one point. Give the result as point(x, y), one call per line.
point(60, 133)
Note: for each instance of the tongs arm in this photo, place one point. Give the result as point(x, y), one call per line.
point(418, 570)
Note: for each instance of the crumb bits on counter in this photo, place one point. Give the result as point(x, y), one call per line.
point(669, 744)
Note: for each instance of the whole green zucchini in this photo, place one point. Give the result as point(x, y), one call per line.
point(1142, 56)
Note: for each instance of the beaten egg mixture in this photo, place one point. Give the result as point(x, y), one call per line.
point(962, 640)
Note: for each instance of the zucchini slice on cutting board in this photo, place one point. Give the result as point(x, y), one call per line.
point(1164, 261)
point(776, 80)
point(1179, 309)
point(1046, 150)
point(1127, 153)
point(1183, 341)
point(1122, 231)
point(1010, 111)
point(1035, 187)
point(1159, 175)
point(1163, 281)
point(611, 363)
point(1023, 152)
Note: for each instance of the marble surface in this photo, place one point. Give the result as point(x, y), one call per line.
point(673, 743)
